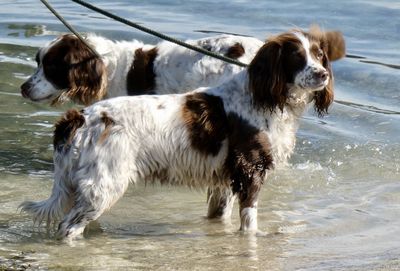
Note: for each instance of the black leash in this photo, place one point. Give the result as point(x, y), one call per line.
point(67, 25)
point(158, 34)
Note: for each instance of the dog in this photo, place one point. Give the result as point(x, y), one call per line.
point(227, 137)
point(68, 70)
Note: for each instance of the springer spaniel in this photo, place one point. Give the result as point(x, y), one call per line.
point(226, 137)
point(67, 70)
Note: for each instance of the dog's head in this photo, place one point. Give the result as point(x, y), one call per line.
point(67, 69)
point(293, 63)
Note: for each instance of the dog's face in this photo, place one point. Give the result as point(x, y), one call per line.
point(65, 69)
point(294, 62)
point(51, 75)
point(303, 62)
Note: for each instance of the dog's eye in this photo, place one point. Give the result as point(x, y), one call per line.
point(320, 54)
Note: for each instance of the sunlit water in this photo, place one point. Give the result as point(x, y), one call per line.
point(335, 207)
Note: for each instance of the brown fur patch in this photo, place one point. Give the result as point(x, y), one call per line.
point(66, 127)
point(332, 42)
point(108, 123)
point(270, 71)
point(336, 45)
point(70, 65)
point(205, 117)
point(249, 157)
point(55, 66)
point(235, 51)
point(141, 76)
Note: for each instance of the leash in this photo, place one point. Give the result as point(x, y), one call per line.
point(158, 34)
point(67, 25)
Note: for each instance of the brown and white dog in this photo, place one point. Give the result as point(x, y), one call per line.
point(67, 70)
point(227, 137)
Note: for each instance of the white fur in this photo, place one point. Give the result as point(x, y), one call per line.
point(248, 219)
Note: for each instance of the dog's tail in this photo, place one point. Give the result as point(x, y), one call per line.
point(50, 210)
point(62, 196)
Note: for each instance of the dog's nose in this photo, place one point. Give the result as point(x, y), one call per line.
point(25, 87)
point(322, 75)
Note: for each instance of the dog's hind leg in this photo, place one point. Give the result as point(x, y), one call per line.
point(220, 203)
point(92, 199)
point(100, 183)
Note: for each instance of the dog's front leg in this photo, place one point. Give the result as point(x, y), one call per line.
point(248, 206)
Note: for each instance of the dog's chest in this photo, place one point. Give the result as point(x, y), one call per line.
point(282, 129)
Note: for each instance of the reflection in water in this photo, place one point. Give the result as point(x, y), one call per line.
point(29, 30)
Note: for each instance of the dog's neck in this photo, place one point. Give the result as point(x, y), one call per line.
point(280, 125)
point(118, 58)
point(237, 98)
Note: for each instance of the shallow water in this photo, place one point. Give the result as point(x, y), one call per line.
point(335, 207)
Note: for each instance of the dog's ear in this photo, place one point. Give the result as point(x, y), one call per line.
point(87, 74)
point(88, 81)
point(267, 81)
point(336, 45)
point(323, 99)
point(333, 40)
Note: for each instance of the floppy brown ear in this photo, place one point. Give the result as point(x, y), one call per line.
point(87, 75)
point(323, 99)
point(267, 80)
point(336, 45)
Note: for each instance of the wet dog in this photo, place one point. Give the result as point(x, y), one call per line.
point(227, 137)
